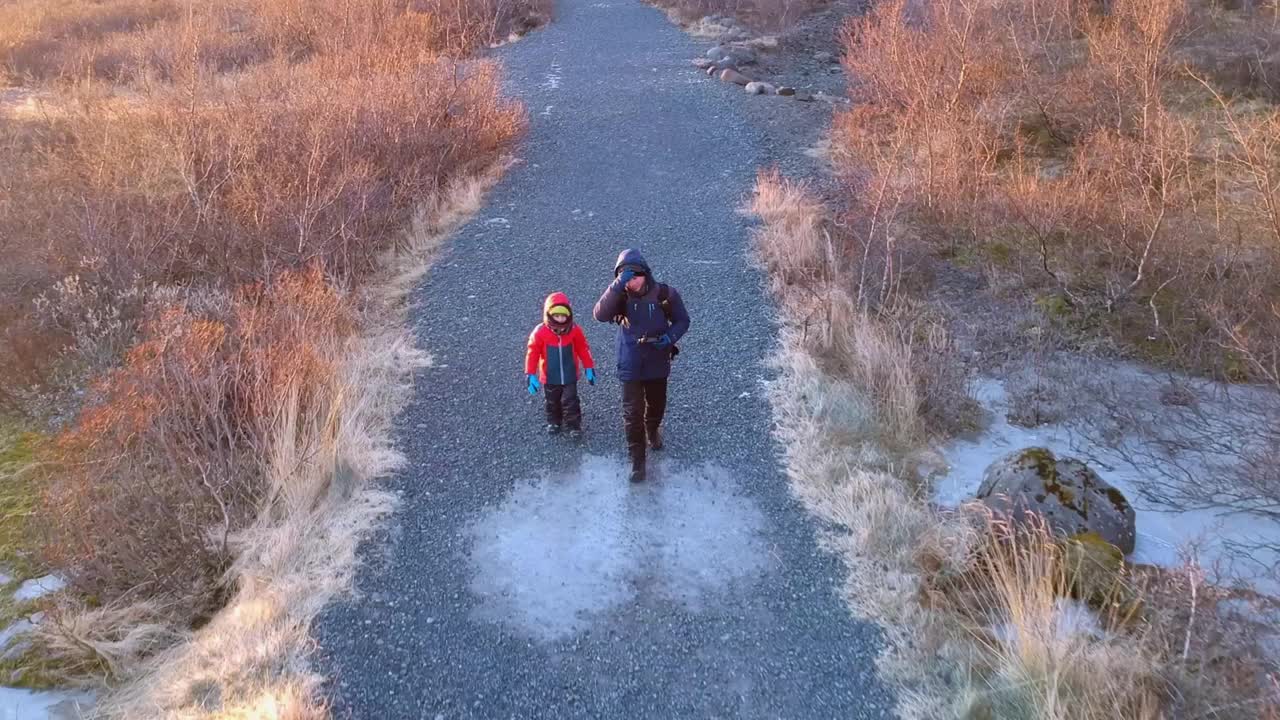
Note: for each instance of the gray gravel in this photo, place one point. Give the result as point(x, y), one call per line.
point(522, 576)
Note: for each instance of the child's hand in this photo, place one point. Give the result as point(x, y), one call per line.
point(591, 376)
point(533, 384)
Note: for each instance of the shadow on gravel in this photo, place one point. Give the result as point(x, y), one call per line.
point(562, 550)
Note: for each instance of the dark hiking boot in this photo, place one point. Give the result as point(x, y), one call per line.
point(655, 438)
point(637, 463)
point(575, 433)
point(553, 429)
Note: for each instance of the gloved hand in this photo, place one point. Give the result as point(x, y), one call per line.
point(533, 384)
point(591, 376)
point(663, 342)
point(624, 277)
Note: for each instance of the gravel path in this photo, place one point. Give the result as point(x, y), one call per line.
point(523, 577)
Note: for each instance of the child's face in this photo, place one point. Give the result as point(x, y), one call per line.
point(559, 319)
point(636, 284)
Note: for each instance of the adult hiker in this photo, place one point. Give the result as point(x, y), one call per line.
point(651, 319)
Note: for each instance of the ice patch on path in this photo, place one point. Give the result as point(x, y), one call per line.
point(562, 550)
point(23, 704)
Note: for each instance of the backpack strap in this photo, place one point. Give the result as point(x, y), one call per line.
point(664, 299)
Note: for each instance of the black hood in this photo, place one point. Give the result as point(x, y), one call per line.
point(631, 257)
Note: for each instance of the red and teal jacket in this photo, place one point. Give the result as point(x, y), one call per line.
point(557, 353)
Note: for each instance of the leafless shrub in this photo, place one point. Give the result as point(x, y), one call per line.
point(895, 351)
point(764, 15)
point(1070, 150)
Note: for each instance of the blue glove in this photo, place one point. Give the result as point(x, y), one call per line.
point(623, 278)
point(591, 376)
point(533, 384)
point(663, 342)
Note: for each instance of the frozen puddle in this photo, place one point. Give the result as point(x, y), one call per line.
point(562, 550)
point(22, 704)
point(1165, 535)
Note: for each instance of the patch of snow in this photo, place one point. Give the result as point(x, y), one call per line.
point(1164, 534)
point(15, 629)
point(23, 704)
point(38, 588)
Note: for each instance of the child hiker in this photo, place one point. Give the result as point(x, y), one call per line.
point(557, 347)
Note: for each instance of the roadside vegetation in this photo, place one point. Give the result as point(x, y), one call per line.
point(1108, 173)
point(760, 15)
point(209, 214)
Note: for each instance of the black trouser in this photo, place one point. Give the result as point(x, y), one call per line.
point(563, 407)
point(643, 404)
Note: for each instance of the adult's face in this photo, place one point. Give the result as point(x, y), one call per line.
point(636, 284)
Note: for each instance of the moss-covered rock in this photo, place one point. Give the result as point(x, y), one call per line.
point(1065, 492)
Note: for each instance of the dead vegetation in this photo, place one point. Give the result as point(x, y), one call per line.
point(209, 222)
point(984, 619)
point(759, 15)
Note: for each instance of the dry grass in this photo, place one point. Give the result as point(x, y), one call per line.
point(976, 615)
point(137, 42)
point(299, 549)
point(893, 351)
point(761, 15)
point(210, 221)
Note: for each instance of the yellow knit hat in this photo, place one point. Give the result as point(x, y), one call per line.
point(559, 310)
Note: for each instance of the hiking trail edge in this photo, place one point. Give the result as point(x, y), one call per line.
point(522, 576)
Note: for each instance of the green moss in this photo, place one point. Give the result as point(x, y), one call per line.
point(19, 497)
point(1055, 305)
point(1117, 498)
point(1097, 575)
point(1046, 468)
point(1000, 254)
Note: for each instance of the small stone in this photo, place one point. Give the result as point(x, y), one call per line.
point(733, 76)
point(804, 96)
point(743, 56)
point(786, 91)
point(37, 618)
point(703, 62)
point(759, 88)
point(716, 53)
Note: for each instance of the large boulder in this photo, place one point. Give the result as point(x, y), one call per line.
point(1070, 496)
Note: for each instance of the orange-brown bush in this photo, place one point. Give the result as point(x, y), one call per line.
point(132, 40)
point(767, 15)
point(1083, 155)
point(317, 163)
point(182, 254)
point(167, 461)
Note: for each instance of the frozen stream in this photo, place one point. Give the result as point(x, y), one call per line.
point(1165, 535)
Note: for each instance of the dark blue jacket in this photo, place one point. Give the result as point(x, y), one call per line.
point(642, 318)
